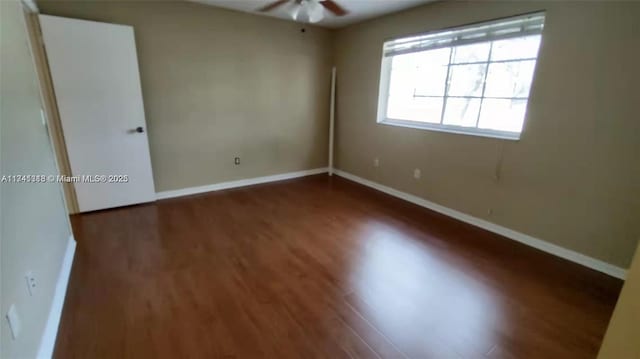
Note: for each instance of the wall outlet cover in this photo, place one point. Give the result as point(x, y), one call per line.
point(32, 284)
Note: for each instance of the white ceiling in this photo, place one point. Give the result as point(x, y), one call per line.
point(359, 10)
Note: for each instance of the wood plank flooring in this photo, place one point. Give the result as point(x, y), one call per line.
point(319, 267)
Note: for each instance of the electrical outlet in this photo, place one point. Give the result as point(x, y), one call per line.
point(236, 160)
point(32, 284)
point(489, 211)
point(14, 321)
point(417, 174)
point(376, 162)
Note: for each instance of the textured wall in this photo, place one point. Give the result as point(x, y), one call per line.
point(34, 224)
point(574, 177)
point(621, 340)
point(219, 84)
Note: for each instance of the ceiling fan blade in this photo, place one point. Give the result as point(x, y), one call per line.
point(272, 6)
point(334, 7)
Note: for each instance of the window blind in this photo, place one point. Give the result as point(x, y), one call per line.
point(530, 24)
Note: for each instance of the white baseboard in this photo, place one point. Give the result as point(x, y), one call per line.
point(238, 183)
point(48, 341)
point(542, 245)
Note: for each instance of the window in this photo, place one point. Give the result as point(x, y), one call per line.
point(472, 80)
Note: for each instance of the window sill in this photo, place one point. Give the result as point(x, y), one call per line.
point(503, 135)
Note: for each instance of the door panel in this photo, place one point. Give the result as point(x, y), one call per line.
point(94, 68)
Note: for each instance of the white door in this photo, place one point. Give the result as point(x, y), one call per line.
point(94, 68)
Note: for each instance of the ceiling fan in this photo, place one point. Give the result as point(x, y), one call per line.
point(313, 8)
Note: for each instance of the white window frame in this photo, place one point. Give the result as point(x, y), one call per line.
point(385, 72)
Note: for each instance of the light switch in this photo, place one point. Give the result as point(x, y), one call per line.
point(14, 321)
point(43, 118)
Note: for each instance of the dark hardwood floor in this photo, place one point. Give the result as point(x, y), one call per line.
point(319, 267)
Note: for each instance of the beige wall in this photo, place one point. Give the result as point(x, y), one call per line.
point(622, 340)
point(219, 84)
point(261, 92)
point(574, 177)
point(34, 224)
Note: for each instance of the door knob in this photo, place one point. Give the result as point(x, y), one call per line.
point(139, 129)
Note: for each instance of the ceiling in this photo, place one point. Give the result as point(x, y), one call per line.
point(359, 10)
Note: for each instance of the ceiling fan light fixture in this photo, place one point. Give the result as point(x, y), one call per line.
point(293, 10)
point(315, 11)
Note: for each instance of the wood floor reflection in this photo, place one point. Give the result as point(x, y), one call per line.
point(319, 267)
